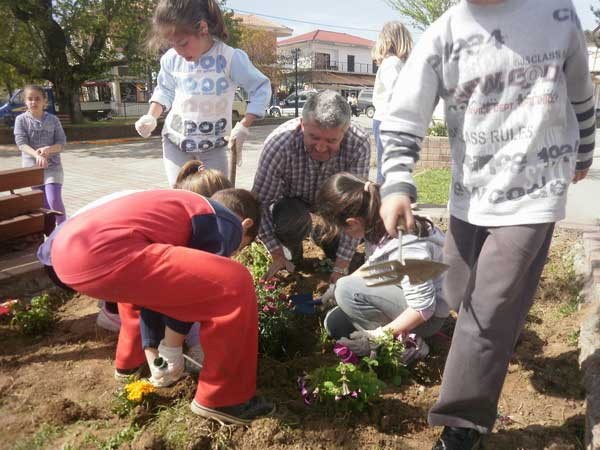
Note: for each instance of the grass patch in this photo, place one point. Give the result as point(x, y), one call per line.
point(433, 186)
point(124, 436)
point(46, 434)
point(179, 428)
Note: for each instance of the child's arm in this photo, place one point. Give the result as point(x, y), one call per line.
point(581, 94)
point(258, 86)
point(22, 141)
point(421, 298)
point(60, 139)
point(162, 97)
point(50, 149)
point(410, 111)
point(244, 74)
point(405, 322)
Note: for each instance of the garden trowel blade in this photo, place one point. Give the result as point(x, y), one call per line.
point(392, 272)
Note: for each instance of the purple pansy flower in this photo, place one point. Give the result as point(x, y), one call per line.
point(345, 354)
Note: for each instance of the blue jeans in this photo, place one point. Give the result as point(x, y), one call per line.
point(379, 146)
point(152, 327)
point(365, 307)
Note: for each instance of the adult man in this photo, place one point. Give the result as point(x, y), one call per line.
point(297, 158)
point(520, 114)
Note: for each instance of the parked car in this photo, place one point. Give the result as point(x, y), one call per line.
point(16, 105)
point(239, 107)
point(365, 102)
point(288, 105)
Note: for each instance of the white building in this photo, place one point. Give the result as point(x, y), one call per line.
point(330, 60)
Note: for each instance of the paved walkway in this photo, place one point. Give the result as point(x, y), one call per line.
point(94, 170)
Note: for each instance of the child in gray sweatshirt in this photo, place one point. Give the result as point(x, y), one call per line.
point(519, 107)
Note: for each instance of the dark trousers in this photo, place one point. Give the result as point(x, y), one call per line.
point(152, 327)
point(292, 223)
point(492, 278)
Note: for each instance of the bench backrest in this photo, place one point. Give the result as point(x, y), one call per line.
point(20, 213)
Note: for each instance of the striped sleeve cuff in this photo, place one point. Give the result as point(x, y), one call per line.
point(586, 117)
point(399, 158)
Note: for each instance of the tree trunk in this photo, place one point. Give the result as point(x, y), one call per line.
point(67, 96)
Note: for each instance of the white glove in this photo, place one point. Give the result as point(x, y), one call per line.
point(238, 135)
point(145, 125)
point(362, 343)
point(371, 335)
point(328, 298)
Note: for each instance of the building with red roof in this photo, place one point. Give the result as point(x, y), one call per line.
point(329, 60)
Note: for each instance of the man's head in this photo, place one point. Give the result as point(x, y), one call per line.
point(325, 119)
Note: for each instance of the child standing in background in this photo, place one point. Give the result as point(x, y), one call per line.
point(40, 137)
point(197, 82)
point(393, 46)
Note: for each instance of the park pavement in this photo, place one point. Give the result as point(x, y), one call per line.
point(95, 169)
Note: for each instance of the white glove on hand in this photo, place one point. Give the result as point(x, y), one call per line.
point(145, 125)
point(328, 298)
point(238, 135)
point(362, 343)
point(371, 335)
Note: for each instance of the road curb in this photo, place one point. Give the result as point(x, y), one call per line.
point(589, 338)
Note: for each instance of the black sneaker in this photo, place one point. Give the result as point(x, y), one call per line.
point(458, 439)
point(238, 414)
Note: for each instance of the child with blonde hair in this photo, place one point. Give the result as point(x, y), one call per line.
point(393, 46)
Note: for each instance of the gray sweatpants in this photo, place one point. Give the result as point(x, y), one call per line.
point(174, 159)
point(368, 307)
point(493, 275)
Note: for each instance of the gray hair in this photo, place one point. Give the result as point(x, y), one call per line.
point(327, 109)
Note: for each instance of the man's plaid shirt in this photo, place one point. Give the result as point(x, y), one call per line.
point(286, 170)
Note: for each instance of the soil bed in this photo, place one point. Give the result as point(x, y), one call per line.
point(57, 391)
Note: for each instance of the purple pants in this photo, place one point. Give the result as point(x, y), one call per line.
point(53, 200)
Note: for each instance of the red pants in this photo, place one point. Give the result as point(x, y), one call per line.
point(189, 285)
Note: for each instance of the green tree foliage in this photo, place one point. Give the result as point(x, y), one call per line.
point(68, 42)
point(421, 13)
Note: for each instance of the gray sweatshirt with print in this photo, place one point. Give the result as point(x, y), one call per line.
point(519, 108)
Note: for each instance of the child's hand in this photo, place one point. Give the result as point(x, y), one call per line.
point(44, 151)
point(145, 125)
point(328, 298)
point(279, 263)
point(237, 137)
point(41, 161)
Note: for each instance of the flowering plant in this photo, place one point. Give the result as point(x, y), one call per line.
point(35, 318)
point(135, 393)
point(274, 315)
point(274, 307)
point(340, 388)
point(387, 360)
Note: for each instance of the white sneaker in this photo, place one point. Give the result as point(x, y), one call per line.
point(168, 367)
point(108, 321)
point(416, 348)
point(196, 354)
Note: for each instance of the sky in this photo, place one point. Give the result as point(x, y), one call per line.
point(330, 14)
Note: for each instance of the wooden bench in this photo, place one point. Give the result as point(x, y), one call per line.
point(22, 222)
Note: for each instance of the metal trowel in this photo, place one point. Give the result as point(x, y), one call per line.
point(393, 271)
